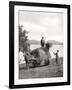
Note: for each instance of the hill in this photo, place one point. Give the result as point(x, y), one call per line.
point(49, 41)
point(55, 42)
point(34, 42)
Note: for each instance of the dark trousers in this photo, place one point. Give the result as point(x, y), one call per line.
point(56, 60)
point(42, 44)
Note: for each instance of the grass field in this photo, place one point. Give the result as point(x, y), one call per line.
point(51, 70)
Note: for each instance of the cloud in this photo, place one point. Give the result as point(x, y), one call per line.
point(49, 25)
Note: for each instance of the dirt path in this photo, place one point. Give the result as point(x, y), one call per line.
point(51, 70)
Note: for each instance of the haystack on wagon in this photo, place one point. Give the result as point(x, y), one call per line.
point(43, 56)
point(38, 57)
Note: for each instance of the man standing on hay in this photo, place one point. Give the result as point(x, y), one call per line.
point(42, 42)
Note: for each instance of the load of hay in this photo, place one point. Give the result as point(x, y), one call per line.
point(42, 54)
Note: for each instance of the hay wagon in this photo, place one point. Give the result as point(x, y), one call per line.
point(38, 57)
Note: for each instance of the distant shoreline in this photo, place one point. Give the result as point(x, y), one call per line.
point(53, 42)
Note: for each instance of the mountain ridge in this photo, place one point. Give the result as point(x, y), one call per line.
point(48, 41)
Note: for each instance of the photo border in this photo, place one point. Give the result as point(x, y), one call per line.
point(11, 43)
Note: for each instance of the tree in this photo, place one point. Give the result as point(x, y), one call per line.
point(23, 38)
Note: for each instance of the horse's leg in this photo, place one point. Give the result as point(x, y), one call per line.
point(27, 64)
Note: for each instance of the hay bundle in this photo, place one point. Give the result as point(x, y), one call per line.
point(43, 55)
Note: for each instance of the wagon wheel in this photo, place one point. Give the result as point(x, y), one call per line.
point(34, 63)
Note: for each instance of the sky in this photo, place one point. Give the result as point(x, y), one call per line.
point(42, 24)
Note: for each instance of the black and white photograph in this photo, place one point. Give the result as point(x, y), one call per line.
point(39, 43)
